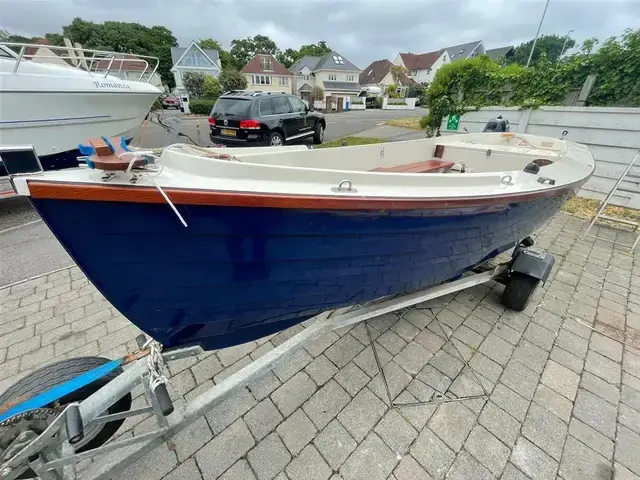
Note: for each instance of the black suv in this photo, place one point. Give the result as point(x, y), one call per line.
point(246, 118)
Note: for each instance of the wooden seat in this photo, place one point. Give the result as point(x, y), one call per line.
point(428, 166)
point(103, 154)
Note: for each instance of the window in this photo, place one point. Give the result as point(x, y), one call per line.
point(281, 105)
point(284, 81)
point(232, 107)
point(297, 105)
point(351, 78)
point(266, 107)
point(333, 76)
point(261, 80)
point(194, 58)
point(338, 60)
point(267, 64)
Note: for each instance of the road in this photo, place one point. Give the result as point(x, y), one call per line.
point(27, 247)
point(338, 125)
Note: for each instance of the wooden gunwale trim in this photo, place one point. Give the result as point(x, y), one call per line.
point(140, 194)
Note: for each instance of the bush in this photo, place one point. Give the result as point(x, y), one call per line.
point(201, 106)
point(212, 88)
point(232, 80)
point(416, 90)
point(392, 91)
point(378, 102)
point(317, 93)
point(194, 83)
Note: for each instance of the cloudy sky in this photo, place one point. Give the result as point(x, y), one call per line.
point(362, 30)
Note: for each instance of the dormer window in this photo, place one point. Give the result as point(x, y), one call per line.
point(267, 64)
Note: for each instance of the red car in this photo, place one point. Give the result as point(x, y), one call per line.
point(170, 102)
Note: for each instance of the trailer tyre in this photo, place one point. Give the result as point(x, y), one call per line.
point(518, 291)
point(62, 371)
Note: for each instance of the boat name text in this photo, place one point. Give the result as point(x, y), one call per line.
point(98, 84)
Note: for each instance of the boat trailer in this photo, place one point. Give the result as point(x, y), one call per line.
point(41, 436)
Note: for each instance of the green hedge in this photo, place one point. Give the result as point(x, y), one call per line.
point(201, 106)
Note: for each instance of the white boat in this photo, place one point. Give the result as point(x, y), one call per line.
point(52, 97)
point(222, 247)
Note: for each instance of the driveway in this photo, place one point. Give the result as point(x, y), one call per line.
point(562, 380)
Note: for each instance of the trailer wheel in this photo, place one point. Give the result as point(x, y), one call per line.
point(62, 371)
point(518, 291)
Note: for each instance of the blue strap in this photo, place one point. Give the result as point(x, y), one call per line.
point(59, 391)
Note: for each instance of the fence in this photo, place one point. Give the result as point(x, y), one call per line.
point(399, 103)
point(612, 135)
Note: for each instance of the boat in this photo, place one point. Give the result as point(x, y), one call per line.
point(51, 97)
point(220, 247)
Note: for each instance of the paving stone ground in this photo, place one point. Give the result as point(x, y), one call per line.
point(562, 377)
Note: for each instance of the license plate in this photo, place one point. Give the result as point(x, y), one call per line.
point(228, 132)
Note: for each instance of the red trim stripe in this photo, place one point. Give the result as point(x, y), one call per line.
point(138, 194)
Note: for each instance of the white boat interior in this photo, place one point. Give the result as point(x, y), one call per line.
point(483, 164)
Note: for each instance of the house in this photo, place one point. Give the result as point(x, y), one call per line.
point(265, 74)
point(422, 67)
point(336, 75)
point(466, 50)
point(501, 54)
point(378, 74)
point(194, 59)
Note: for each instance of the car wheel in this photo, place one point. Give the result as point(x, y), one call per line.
point(318, 135)
point(275, 140)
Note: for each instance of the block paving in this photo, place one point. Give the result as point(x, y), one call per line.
point(562, 377)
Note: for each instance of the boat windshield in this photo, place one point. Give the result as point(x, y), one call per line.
point(6, 52)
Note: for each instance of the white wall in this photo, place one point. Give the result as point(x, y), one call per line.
point(612, 135)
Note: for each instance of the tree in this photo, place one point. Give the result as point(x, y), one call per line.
point(288, 57)
point(588, 45)
point(319, 49)
point(232, 80)
point(397, 72)
point(416, 90)
point(194, 83)
point(392, 91)
point(317, 93)
point(244, 49)
point(125, 37)
point(550, 45)
point(211, 88)
point(226, 60)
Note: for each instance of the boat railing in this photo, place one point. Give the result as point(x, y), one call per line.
point(96, 62)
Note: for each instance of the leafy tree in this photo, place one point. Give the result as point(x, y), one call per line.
point(194, 83)
point(416, 90)
point(319, 49)
point(550, 45)
point(288, 57)
point(211, 88)
point(397, 71)
point(226, 59)
point(232, 80)
point(317, 93)
point(588, 45)
point(126, 37)
point(244, 49)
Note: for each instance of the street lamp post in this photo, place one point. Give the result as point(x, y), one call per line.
point(535, 40)
point(564, 45)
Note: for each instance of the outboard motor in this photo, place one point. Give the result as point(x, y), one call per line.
point(497, 124)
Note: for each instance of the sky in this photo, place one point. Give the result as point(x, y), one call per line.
point(361, 30)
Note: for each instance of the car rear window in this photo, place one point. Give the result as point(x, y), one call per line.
point(237, 107)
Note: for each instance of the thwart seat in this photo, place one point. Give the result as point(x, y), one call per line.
point(428, 166)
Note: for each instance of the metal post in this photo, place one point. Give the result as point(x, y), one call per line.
point(535, 40)
point(564, 45)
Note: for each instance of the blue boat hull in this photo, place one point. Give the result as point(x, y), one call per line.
point(239, 273)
